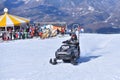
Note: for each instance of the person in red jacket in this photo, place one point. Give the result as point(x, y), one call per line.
point(62, 31)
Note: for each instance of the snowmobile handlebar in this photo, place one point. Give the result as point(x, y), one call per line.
point(69, 42)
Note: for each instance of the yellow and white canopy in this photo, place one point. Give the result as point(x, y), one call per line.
point(11, 20)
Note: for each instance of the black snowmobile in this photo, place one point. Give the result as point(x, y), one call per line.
point(67, 52)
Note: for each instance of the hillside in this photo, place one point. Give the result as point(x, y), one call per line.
point(90, 14)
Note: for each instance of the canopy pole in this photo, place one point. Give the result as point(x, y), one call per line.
point(20, 27)
point(6, 28)
point(13, 28)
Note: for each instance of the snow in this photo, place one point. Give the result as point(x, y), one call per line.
point(108, 18)
point(29, 59)
point(72, 3)
point(26, 1)
point(91, 8)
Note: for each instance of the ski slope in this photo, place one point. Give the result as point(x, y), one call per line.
point(29, 59)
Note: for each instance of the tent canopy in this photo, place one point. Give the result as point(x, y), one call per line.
point(11, 20)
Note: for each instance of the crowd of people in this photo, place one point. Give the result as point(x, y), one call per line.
point(30, 32)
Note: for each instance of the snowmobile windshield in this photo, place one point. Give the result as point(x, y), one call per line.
point(65, 47)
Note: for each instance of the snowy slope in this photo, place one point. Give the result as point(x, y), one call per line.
point(29, 59)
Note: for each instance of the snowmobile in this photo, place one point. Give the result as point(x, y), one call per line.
point(67, 53)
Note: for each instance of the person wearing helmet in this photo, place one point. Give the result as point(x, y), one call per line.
point(73, 40)
point(73, 37)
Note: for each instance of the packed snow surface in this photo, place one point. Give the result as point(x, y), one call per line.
point(29, 59)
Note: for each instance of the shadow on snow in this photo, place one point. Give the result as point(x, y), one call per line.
point(87, 59)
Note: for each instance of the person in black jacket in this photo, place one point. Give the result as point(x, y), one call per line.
point(74, 41)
